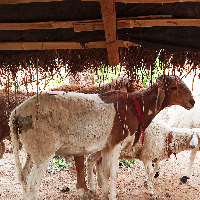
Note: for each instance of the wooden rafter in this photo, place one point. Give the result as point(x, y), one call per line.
point(132, 23)
point(24, 1)
point(123, 1)
point(36, 25)
point(150, 1)
point(93, 25)
point(59, 45)
point(110, 28)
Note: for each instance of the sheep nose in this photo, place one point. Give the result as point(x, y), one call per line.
point(192, 102)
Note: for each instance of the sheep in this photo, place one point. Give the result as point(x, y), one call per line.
point(187, 119)
point(73, 124)
point(121, 83)
point(156, 148)
point(8, 104)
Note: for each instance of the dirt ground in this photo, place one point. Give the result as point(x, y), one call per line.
point(130, 181)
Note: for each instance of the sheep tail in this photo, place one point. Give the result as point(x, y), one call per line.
point(14, 133)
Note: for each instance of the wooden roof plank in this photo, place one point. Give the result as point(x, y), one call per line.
point(110, 28)
point(39, 45)
point(93, 25)
point(149, 1)
point(122, 1)
point(4, 46)
point(36, 25)
point(132, 23)
point(24, 1)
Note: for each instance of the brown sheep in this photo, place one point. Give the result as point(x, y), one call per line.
point(73, 124)
point(8, 104)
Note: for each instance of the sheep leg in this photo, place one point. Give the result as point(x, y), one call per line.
point(192, 158)
point(150, 174)
point(114, 165)
point(92, 159)
point(189, 169)
point(2, 149)
point(34, 174)
point(99, 172)
point(156, 168)
point(81, 183)
point(106, 172)
point(27, 167)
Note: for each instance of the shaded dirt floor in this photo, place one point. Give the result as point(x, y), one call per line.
point(130, 181)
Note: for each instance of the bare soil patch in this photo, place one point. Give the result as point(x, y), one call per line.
point(130, 181)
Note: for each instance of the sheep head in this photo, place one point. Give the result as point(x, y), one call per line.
point(173, 91)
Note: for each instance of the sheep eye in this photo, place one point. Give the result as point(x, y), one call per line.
point(173, 88)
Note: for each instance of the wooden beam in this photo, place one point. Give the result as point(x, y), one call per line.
point(132, 23)
point(24, 1)
point(149, 1)
point(36, 25)
point(59, 45)
point(110, 28)
point(93, 25)
point(39, 45)
point(87, 26)
point(122, 1)
point(102, 44)
point(44, 25)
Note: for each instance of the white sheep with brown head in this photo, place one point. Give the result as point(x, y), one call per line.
point(72, 124)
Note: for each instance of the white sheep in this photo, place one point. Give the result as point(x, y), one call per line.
point(157, 147)
point(182, 118)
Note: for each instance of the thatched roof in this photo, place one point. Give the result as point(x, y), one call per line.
point(86, 34)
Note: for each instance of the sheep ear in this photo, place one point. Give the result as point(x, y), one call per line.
point(160, 96)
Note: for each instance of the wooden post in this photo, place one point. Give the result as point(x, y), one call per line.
point(110, 27)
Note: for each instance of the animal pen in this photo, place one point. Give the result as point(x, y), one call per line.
point(39, 37)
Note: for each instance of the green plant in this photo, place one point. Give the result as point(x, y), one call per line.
point(126, 163)
point(58, 78)
point(107, 74)
point(58, 163)
point(149, 76)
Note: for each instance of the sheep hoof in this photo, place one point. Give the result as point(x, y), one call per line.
point(105, 196)
point(145, 184)
point(84, 195)
point(184, 179)
point(156, 175)
point(92, 193)
point(168, 195)
point(64, 189)
point(153, 197)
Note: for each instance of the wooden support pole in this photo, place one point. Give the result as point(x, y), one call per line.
point(110, 27)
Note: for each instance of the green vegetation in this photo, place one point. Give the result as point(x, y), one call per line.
point(58, 78)
point(107, 73)
point(147, 77)
point(126, 163)
point(58, 163)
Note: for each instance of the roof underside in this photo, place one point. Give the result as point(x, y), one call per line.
point(142, 24)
